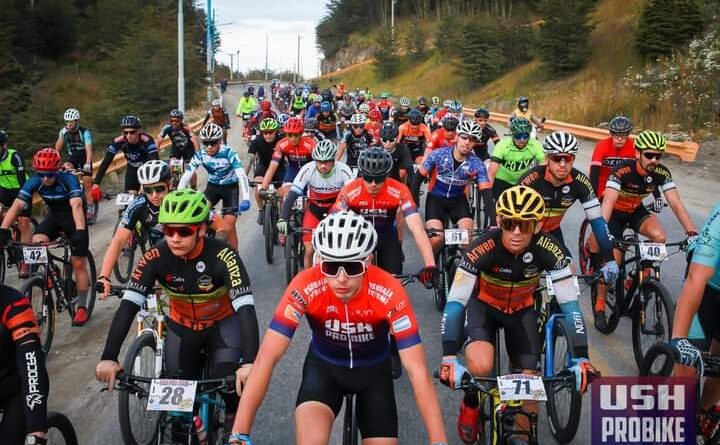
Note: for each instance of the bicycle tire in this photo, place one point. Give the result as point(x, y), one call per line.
point(145, 340)
point(481, 216)
point(648, 366)
point(583, 252)
point(288, 258)
point(3, 265)
point(486, 420)
point(41, 300)
point(651, 291)
point(614, 302)
point(92, 278)
point(126, 259)
point(60, 422)
point(350, 425)
point(439, 290)
point(269, 233)
point(563, 430)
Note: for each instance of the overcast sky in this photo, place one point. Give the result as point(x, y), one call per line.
point(243, 26)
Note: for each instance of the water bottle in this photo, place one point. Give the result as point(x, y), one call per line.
point(200, 430)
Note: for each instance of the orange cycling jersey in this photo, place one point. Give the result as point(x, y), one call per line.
point(607, 157)
point(379, 209)
point(415, 137)
point(439, 139)
point(633, 184)
point(352, 333)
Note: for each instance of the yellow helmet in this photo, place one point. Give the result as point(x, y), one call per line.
point(650, 140)
point(520, 202)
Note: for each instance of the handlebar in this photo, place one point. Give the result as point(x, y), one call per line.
point(128, 382)
point(483, 384)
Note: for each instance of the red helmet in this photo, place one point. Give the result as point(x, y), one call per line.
point(294, 125)
point(372, 105)
point(46, 160)
point(375, 115)
point(265, 105)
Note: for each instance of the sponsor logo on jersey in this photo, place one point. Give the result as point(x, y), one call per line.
point(359, 332)
point(292, 314)
point(549, 245)
point(204, 283)
point(400, 306)
point(527, 257)
point(297, 296)
point(402, 324)
point(479, 250)
point(200, 267)
point(228, 256)
point(33, 396)
point(331, 309)
point(380, 292)
point(566, 189)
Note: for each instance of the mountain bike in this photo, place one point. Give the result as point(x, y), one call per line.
point(478, 208)
point(294, 246)
point(52, 288)
point(8, 259)
point(177, 169)
point(271, 214)
point(60, 430)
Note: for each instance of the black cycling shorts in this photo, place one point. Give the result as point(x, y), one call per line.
point(500, 186)
point(442, 208)
point(131, 179)
point(77, 159)
point(372, 385)
point(229, 194)
point(521, 332)
point(55, 225)
point(260, 169)
point(709, 311)
point(7, 197)
point(185, 154)
point(620, 220)
point(388, 253)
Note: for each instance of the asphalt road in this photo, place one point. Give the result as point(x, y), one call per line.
point(75, 351)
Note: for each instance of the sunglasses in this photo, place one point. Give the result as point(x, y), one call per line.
point(293, 135)
point(560, 158)
point(522, 136)
point(388, 141)
point(651, 156)
point(526, 226)
point(374, 179)
point(351, 268)
point(183, 231)
point(127, 132)
point(150, 189)
point(45, 175)
point(210, 143)
point(269, 133)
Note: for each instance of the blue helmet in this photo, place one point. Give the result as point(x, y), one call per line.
point(325, 106)
point(283, 118)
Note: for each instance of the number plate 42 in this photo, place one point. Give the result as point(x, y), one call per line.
point(172, 395)
point(521, 387)
point(35, 254)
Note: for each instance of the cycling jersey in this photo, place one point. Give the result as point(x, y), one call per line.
point(322, 190)
point(12, 170)
point(439, 139)
point(181, 139)
point(75, 141)
point(481, 148)
point(327, 124)
point(135, 154)
point(219, 116)
point(706, 250)
point(141, 211)
point(295, 155)
point(23, 378)
point(415, 137)
point(312, 112)
point(346, 109)
point(259, 115)
point(633, 184)
point(606, 157)
point(385, 105)
point(379, 209)
point(354, 333)
point(514, 162)
point(221, 168)
point(57, 196)
point(246, 106)
point(298, 104)
point(448, 177)
point(399, 115)
point(355, 144)
point(263, 152)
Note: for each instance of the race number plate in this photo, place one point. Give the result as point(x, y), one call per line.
point(172, 395)
point(176, 164)
point(123, 199)
point(521, 387)
point(299, 203)
point(653, 251)
point(454, 237)
point(35, 254)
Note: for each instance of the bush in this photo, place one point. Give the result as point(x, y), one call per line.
point(481, 58)
point(386, 57)
point(666, 25)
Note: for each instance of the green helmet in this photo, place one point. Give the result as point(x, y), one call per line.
point(184, 206)
point(650, 140)
point(520, 125)
point(384, 95)
point(268, 124)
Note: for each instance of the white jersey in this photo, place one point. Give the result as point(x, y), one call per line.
point(322, 190)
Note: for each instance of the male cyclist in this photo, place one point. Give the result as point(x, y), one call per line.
point(218, 115)
point(184, 141)
point(63, 195)
point(327, 121)
point(422, 106)
point(374, 124)
point(295, 149)
point(297, 104)
point(77, 141)
point(482, 116)
point(352, 307)
point(414, 134)
point(385, 105)
point(355, 140)
point(402, 164)
point(265, 112)
point(445, 136)
point(451, 170)
point(523, 110)
point(400, 115)
point(323, 179)
point(212, 308)
point(246, 107)
point(507, 262)
point(12, 179)
point(313, 108)
point(261, 151)
point(137, 146)
point(24, 383)
point(226, 176)
point(513, 156)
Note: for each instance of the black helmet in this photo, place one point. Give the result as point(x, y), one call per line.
point(449, 122)
point(130, 122)
point(3, 136)
point(246, 94)
point(523, 100)
point(415, 116)
point(327, 95)
point(374, 162)
point(176, 114)
point(422, 100)
point(388, 131)
point(483, 113)
point(620, 125)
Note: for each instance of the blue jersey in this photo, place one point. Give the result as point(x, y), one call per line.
point(312, 112)
point(136, 154)
point(449, 178)
point(706, 250)
point(56, 196)
point(221, 167)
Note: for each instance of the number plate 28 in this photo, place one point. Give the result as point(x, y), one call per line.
point(172, 395)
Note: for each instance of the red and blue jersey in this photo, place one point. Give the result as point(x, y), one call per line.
point(449, 177)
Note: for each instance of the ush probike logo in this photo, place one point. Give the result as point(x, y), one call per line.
point(643, 410)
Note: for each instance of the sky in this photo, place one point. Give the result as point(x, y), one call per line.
point(243, 25)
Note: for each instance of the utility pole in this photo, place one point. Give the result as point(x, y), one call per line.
point(294, 72)
point(231, 65)
point(392, 19)
point(181, 57)
point(209, 51)
point(298, 58)
point(267, 40)
point(237, 54)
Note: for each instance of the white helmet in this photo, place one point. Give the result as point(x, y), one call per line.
point(469, 128)
point(325, 150)
point(153, 171)
point(357, 119)
point(216, 103)
point(71, 114)
point(211, 132)
point(560, 142)
point(404, 102)
point(364, 108)
point(344, 236)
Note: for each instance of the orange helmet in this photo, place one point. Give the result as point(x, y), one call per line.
point(46, 160)
point(375, 115)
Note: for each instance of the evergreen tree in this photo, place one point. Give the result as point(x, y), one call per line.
point(481, 59)
point(415, 43)
point(666, 25)
point(565, 35)
point(386, 56)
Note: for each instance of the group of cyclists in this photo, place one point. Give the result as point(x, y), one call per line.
point(361, 166)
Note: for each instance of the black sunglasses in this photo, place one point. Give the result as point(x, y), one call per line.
point(651, 156)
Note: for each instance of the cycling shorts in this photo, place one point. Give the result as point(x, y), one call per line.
point(500, 186)
point(229, 194)
point(186, 154)
point(332, 134)
point(290, 172)
point(389, 254)
point(709, 311)
point(260, 169)
point(7, 197)
point(620, 220)
point(372, 385)
point(77, 159)
point(521, 332)
point(55, 225)
point(442, 208)
point(131, 179)
point(310, 221)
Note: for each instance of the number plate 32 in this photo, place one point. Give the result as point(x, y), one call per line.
point(172, 395)
point(521, 387)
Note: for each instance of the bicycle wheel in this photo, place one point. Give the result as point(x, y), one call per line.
point(137, 425)
point(652, 318)
point(269, 232)
point(614, 299)
point(481, 215)
point(583, 252)
point(41, 301)
point(564, 404)
point(71, 289)
point(440, 288)
point(126, 260)
point(3, 265)
point(291, 254)
point(486, 420)
point(659, 360)
point(60, 430)
point(350, 426)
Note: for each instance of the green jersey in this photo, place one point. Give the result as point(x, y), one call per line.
point(514, 162)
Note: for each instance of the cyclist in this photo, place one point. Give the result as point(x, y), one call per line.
point(445, 136)
point(297, 104)
point(77, 140)
point(63, 195)
point(226, 176)
point(311, 130)
point(327, 121)
point(349, 349)
point(295, 148)
point(561, 185)
point(212, 309)
point(141, 214)
point(12, 179)
point(261, 92)
point(513, 156)
point(385, 105)
point(313, 107)
point(261, 151)
point(488, 134)
point(422, 106)
point(355, 140)
point(414, 134)
point(184, 141)
point(218, 115)
point(137, 146)
point(327, 96)
point(523, 110)
point(508, 262)
point(629, 183)
point(265, 112)
point(247, 105)
point(323, 180)
point(24, 383)
point(346, 109)
point(402, 161)
point(374, 124)
point(400, 115)
point(340, 91)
